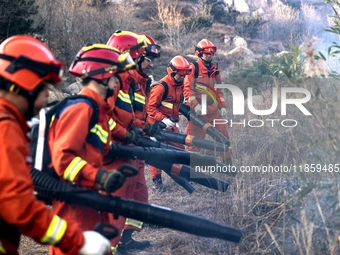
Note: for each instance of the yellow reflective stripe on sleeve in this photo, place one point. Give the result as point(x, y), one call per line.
point(124, 97)
point(139, 98)
point(167, 105)
point(55, 231)
point(134, 223)
point(100, 132)
point(73, 168)
point(2, 248)
point(112, 124)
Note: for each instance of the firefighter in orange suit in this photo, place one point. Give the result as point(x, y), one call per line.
point(138, 77)
point(129, 113)
point(139, 105)
point(162, 107)
point(77, 154)
point(26, 65)
point(194, 87)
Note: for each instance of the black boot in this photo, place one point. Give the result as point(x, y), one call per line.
point(127, 243)
point(157, 184)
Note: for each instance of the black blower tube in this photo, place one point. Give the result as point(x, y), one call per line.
point(206, 126)
point(189, 174)
point(47, 186)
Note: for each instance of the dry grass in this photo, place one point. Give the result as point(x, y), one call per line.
point(278, 214)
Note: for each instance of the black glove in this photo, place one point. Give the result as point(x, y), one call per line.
point(133, 135)
point(153, 129)
point(110, 180)
point(173, 119)
point(160, 124)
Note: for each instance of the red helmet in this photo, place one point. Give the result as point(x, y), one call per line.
point(179, 65)
point(206, 47)
point(27, 62)
point(100, 62)
point(128, 41)
point(153, 49)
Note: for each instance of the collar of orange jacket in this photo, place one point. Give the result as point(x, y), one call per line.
point(203, 68)
point(94, 95)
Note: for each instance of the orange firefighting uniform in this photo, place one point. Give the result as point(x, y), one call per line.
point(20, 212)
point(140, 193)
point(193, 90)
point(124, 118)
point(158, 109)
point(77, 155)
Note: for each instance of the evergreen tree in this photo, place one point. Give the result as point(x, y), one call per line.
point(16, 17)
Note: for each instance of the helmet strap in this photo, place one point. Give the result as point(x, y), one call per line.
point(139, 63)
point(31, 100)
point(173, 78)
point(30, 96)
point(109, 92)
point(206, 62)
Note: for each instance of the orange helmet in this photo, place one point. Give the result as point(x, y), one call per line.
point(27, 62)
point(153, 49)
point(128, 41)
point(100, 61)
point(179, 65)
point(206, 47)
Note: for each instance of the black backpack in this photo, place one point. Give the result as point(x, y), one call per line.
point(45, 153)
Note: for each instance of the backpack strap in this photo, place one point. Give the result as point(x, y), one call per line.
point(132, 90)
point(59, 107)
point(148, 85)
point(196, 69)
point(166, 90)
point(82, 98)
point(195, 73)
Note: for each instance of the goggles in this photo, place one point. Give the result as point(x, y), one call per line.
point(126, 62)
point(154, 50)
point(209, 50)
point(53, 72)
point(183, 72)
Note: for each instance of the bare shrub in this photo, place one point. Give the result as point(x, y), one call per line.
point(284, 25)
point(170, 18)
point(69, 25)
